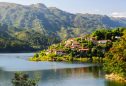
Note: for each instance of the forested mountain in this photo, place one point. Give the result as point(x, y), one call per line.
point(37, 26)
point(51, 20)
point(14, 39)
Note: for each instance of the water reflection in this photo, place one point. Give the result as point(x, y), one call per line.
point(113, 83)
point(88, 76)
point(69, 75)
point(72, 76)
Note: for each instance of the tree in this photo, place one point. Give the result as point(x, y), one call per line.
point(115, 59)
point(36, 55)
point(94, 51)
point(100, 54)
point(90, 44)
point(21, 79)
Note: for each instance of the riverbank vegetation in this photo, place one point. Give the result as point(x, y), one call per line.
point(115, 60)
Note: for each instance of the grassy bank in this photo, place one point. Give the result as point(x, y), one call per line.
point(66, 58)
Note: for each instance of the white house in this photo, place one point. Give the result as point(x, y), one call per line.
point(117, 37)
point(103, 41)
point(60, 52)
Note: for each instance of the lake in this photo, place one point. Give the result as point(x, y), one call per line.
point(52, 73)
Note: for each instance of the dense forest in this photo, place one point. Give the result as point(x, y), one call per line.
point(53, 21)
point(14, 39)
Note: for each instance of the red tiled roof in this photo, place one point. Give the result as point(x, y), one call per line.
point(84, 49)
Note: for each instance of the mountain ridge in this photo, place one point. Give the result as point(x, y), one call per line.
point(51, 20)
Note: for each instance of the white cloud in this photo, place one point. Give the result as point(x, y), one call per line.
point(118, 14)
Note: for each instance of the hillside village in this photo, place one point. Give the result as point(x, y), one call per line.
point(73, 44)
point(88, 46)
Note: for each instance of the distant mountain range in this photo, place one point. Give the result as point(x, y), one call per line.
point(53, 21)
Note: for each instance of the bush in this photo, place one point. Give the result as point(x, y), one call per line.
point(21, 79)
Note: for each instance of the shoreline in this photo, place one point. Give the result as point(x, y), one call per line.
point(115, 77)
point(62, 59)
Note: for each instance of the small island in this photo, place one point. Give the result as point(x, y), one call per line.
point(105, 46)
point(89, 47)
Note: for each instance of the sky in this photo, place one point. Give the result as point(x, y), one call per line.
point(116, 8)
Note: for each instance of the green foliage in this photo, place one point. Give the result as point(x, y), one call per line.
point(96, 50)
point(53, 21)
point(21, 79)
point(115, 59)
point(104, 34)
point(36, 55)
point(14, 39)
point(90, 44)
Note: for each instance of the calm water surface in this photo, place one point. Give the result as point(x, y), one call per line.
point(52, 73)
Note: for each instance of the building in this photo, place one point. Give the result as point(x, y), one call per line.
point(84, 50)
point(92, 39)
point(75, 44)
point(69, 42)
point(72, 43)
point(50, 51)
point(60, 52)
point(103, 41)
point(117, 37)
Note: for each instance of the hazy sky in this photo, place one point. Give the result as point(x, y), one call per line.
point(105, 7)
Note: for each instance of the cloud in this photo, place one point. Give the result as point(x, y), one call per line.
point(118, 14)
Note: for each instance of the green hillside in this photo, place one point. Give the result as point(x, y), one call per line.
point(51, 20)
point(14, 39)
point(37, 26)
